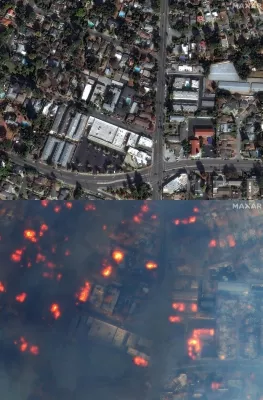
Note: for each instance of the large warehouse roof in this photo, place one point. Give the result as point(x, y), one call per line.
point(224, 71)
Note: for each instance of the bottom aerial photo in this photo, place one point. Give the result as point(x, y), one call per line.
point(131, 300)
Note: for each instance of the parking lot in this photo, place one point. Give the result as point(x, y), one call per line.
point(89, 157)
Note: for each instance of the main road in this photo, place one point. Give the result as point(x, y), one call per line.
point(157, 155)
point(99, 181)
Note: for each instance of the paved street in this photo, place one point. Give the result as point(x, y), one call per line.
point(157, 160)
point(95, 182)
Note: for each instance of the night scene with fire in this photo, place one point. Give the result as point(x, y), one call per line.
point(138, 301)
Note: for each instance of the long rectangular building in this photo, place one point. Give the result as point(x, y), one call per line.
point(58, 119)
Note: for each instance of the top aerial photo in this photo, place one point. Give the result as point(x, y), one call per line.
point(131, 99)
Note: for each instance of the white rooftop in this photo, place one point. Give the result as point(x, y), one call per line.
point(132, 141)
point(176, 185)
point(145, 142)
point(139, 157)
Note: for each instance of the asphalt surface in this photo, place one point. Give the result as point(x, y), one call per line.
point(95, 182)
point(157, 157)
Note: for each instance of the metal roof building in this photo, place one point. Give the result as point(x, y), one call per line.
point(224, 71)
point(57, 151)
point(235, 87)
point(67, 154)
point(256, 87)
point(81, 128)
point(73, 126)
point(58, 119)
point(65, 123)
point(49, 147)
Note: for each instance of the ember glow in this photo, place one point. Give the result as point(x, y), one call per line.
point(2, 288)
point(54, 309)
point(69, 205)
point(179, 307)
point(107, 271)
point(40, 258)
point(175, 319)
point(34, 350)
point(194, 343)
point(145, 208)
point(231, 241)
point(23, 346)
point(137, 219)
point(21, 297)
point(118, 256)
point(194, 307)
point(177, 222)
point(17, 255)
point(43, 227)
point(84, 292)
point(57, 209)
point(196, 210)
point(192, 220)
point(30, 235)
point(151, 265)
point(140, 361)
point(44, 203)
point(212, 243)
point(90, 207)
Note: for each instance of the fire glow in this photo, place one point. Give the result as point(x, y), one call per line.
point(175, 319)
point(84, 292)
point(151, 265)
point(140, 361)
point(2, 288)
point(17, 255)
point(30, 235)
point(118, 256)
point(179, 307)
point(107, 271)
point(194, 343)
point(55, 310)
point(21, 297)
point(23, 346)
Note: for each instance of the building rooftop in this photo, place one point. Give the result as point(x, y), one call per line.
point(224, 71)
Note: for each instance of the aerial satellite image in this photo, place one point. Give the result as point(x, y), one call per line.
point(130, 301)
point(131, 99)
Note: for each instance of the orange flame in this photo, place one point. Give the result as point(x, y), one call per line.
point(69, 205)
point(140, 361)
point(151, 265)
point(118, 256)
point(29, 234)
point(196, 209)
point(55, 310)
point(21, 297)
point(2, 288)
point(84, 292)
point(192, 220)
point(107, 271)
point(177, 222)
